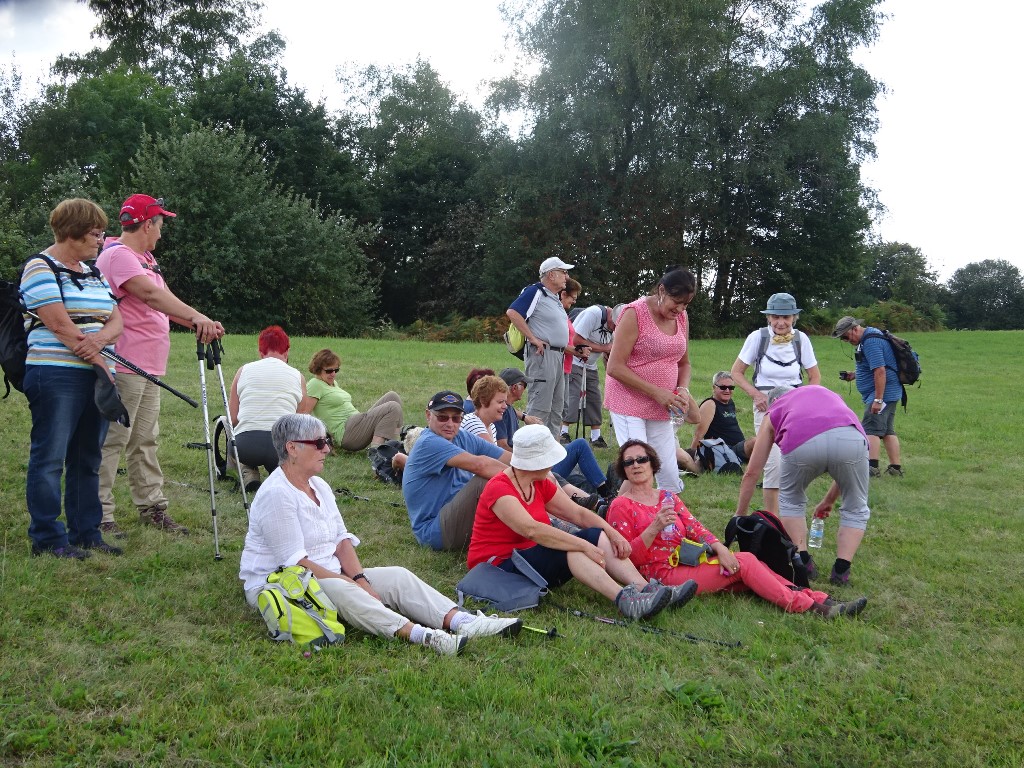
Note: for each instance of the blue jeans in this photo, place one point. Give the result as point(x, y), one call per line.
point(67, 434)
point(579, 452)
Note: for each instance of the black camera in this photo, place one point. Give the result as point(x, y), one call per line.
point(844, 375)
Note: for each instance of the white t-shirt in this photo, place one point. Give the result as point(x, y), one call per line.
point(267, 390)
point(772, 374)
point(471, 423)
point(286, 525)
point(588, 325)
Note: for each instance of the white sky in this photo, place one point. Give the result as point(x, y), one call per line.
point(949, 158)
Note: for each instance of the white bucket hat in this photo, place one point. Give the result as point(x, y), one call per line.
point(534, 448)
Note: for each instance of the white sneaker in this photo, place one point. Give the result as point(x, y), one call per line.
point(485, 626)
point(443, 643)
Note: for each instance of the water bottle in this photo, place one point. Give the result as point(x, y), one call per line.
point(817, 533)
point(678, 417)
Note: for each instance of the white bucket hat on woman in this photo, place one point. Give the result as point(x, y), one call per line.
point(534, 448)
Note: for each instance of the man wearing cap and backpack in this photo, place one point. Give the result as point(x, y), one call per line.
point(779, 354)
point(539, 315)
point(146, 305)
point(877, 377)
point(594, 327)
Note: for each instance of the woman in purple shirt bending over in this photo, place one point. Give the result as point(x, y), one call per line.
point(817, 433)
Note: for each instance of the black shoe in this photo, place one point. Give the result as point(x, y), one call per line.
point(592, 502)
point(599, 443)
point(564, 438)
point(67, 552)
point(102, 546)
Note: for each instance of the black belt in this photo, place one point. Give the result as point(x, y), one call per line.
point(557, 349)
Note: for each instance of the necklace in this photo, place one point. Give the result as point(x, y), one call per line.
point(527, 497)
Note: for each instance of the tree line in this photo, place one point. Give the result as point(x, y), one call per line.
point(723, 136)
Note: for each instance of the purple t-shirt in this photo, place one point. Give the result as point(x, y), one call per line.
point(806, 412)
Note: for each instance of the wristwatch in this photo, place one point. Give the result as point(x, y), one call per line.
point(880, 402)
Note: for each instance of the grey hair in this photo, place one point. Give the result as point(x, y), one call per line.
point(719, 376)
point(295, 426)
point(778, 392)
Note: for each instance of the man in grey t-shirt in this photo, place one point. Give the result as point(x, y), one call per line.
point(540, 317)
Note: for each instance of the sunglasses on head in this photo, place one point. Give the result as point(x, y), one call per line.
point(638, 460)
point(331, 370)
point(724, 387)
point(443, 417)
point(319, 443)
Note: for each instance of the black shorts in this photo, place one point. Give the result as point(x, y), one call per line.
point(552, 564)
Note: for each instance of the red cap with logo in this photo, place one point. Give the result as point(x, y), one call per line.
point(139, 208)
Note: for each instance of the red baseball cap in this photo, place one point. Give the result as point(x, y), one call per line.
point(139, 208)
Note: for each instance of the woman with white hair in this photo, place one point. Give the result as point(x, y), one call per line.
point(513, 514)
point(294, 520)
point(779, 354)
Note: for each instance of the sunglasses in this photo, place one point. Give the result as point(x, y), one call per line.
point(725, 387)
point(320, 443)
point(445, 417)
point(637, 460)
point(331, 370)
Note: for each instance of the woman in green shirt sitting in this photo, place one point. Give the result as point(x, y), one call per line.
point(350, 429)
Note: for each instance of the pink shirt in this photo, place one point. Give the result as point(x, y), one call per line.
point(654, 358)
point(807, 412)
point(146, 338)
point(567, 362)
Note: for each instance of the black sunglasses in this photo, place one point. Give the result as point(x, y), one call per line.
point(637, 460)
point(331, 370)
point(320, 443)
point(725, 387)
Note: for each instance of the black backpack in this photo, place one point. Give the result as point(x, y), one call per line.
point(908, 364)
point(13, 333)
point(761, 533)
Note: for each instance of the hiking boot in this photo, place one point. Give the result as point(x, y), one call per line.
point(564, 438)
point(894, 471)
point(841, 579)
point(249, 477)
point(67, 552)
point(812, 569)
point(591, 501)
point(874, 472)
point(680, 594)
point(599, 443)
point(485, 626)
point(833, 610)
point(112, 529)
point(634, 604)
point(443, 643)
point(159, 518)
point(102, 546)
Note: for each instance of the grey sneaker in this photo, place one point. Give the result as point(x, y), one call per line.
point(485, 626)
point(679, 595)
point(112, 529)
point(894, 471)
point(159, 518)
point(443, 643)
point(634, 604)
point(833, 610)
point(874, 472)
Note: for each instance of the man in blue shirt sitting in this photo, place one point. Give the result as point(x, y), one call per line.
point(878, 382)
point(445, 475)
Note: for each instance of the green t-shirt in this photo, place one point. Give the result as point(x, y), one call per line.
point(333, 406)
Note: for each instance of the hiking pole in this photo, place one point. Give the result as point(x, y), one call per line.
point(213, 357)
point(551, 634)
point(208, 444)
point(111, 355)
point(583, 401)
point(648, 628)
point(347, 494)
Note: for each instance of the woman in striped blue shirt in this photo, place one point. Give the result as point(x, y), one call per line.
point(77, 318)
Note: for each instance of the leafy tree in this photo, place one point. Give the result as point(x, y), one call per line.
point(722, 135)
point(987, 295)
point(245, 250)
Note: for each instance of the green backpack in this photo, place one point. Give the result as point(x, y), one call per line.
point(295, 608)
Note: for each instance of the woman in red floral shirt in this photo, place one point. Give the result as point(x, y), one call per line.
point(656, 523)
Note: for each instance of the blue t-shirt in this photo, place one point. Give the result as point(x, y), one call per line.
point(874, 352)
point(428, 483)
point(506, 427)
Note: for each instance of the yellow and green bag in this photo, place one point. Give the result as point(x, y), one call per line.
point(295, 609)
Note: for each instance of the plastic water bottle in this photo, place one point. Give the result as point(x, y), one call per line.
point(817, 533)
point(677, 417)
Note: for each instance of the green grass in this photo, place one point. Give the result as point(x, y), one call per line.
point(153, 658)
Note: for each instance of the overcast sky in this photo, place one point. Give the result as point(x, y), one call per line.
point(949, 165)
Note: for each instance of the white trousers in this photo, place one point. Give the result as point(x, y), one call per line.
point(661, 437)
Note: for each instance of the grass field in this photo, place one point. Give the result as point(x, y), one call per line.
point(153, 658)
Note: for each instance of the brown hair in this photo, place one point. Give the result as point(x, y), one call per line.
point(485, 389)
point(653, 454)
point(323, 359)
point(474, 376)
point(75, 218)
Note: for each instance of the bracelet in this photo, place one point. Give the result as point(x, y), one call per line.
point(359, 576)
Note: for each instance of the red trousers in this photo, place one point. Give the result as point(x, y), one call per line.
point(753, 575)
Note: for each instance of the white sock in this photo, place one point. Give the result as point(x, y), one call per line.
point(595, 434)
point(565, 430)
point(460, 618)
point(417, 635)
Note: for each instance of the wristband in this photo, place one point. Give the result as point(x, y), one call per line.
point(359, 576)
